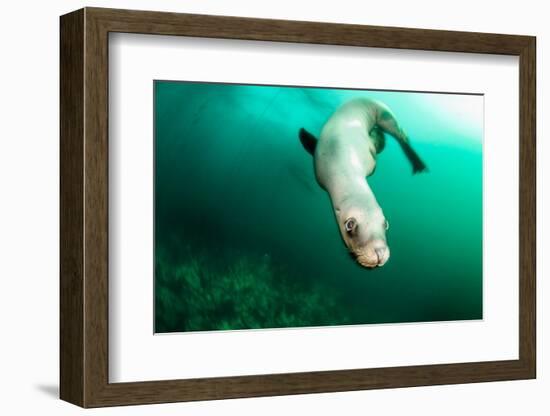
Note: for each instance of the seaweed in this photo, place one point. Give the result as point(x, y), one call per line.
point(247, 292)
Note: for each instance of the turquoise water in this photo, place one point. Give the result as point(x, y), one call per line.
point(246, 238)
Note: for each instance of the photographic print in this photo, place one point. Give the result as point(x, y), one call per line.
point(289, 206)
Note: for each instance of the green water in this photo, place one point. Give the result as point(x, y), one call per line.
point(246, 238)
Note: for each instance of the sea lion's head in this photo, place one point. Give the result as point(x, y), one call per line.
point(363, 230)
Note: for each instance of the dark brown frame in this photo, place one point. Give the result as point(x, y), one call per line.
point(84, 210)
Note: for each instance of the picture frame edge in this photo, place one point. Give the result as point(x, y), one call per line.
point(84, 216)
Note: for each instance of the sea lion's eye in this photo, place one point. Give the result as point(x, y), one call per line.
point(350, 225)
point(386, 225)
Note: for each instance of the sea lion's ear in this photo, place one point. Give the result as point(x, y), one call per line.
point(309, 141)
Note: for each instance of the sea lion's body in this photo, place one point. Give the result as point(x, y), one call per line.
point(345, 147)
point(344, 156)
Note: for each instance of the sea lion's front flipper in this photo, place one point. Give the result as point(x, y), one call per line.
point(309, 141)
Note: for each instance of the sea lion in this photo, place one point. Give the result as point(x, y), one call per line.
point(344, 156)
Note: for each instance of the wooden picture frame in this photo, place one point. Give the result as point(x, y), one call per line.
point(84, 207)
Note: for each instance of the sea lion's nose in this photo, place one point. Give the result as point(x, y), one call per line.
point(375, 254)
point(383, 255)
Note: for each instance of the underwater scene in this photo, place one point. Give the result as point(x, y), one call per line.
point(284, 206)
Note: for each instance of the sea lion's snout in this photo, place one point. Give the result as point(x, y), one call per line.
point(375, 254)
point(364, 234)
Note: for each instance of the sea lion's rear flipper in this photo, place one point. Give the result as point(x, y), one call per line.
point(309, 141)
point(387, 122)
point(417, 164)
